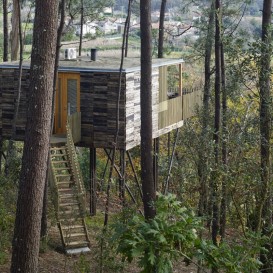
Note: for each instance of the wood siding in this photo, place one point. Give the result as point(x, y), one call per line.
point(99, 94)
point(8, 96)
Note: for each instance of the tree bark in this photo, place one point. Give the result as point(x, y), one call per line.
point(14, 35)
point(81, 32)
point(58, 47)
point(146, 110)
point(202, 161)
point(161, 29)
point(5, 31)
point(265, 203)
point(223, 206)
point(216, 135)
point(34, 163)
point(127, 27)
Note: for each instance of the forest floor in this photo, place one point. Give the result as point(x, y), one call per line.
point(53, 260)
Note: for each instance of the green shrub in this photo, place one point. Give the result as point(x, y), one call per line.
point(172, 234)
point(159, 241)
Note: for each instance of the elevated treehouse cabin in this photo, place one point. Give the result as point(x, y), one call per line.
point(87, 96)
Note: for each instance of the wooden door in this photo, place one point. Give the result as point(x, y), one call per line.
point(67, 100)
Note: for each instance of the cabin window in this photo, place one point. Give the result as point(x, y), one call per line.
point(170, 82)
point(72, 96)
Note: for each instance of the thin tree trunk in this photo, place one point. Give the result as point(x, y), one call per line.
point(265, 207)
point(202, 172)
point(81, 32)
point(223, 207)
point(127, 27)
point(14, 35)
point(216, 135)
point(146, 110)
point(34, 164)
point(161, 29)
point(11, 149)
point(5, 31)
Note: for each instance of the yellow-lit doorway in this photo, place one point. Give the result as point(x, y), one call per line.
point(67, 100)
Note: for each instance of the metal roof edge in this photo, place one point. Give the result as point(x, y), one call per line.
point(88, 69)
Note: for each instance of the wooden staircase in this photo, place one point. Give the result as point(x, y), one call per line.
point(68, 196)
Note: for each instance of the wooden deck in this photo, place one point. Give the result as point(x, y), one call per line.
point(57, 140)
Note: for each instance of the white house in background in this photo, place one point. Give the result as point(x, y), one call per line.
point(108, 27)
point(88, 28)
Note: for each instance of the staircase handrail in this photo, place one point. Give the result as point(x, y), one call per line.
point(53, 185)
point(72, 155)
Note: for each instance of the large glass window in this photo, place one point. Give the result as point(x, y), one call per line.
point(170, 82)
point(72, 96)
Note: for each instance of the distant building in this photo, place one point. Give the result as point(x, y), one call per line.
point(88, 28)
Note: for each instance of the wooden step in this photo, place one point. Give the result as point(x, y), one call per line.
point(70, 211)
point(58, 155)
point(61, 168)
point(66, 190)
point(60, 162)
point(63, 175)
point(65, 196)
point(76, 234)
point(73, 227)
point(68, 204)
point(57, 148)
point(76, 243)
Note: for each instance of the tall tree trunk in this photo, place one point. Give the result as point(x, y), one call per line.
point(161, 29)
point(14, 35)
point(216, 136)
point(34, 163)
point(5, 31)
point(203, 154)
point(58, 47)
point(223, 206)
point(146, 109)
point(265, 206)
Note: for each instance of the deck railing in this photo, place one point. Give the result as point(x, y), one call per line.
point(74, 122)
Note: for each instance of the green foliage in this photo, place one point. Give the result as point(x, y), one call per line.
point(107, 261)
point(7, 216)
point(82, 265)
point(83, 157)
point(69, 35)
point(28, 39)
point(172, 234)
point(234, 258)
point(159, 241)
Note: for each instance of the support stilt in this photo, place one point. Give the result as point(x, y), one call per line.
point(93, 189)
point(155, 162)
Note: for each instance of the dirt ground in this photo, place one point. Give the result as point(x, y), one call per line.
point(53, 260)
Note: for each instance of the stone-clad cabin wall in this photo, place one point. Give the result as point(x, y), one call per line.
point(133, 107)
point(8, 96)
point(99, 102)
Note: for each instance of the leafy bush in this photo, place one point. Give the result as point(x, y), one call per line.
point(172, 234)
point(7, 217)
point(161, 240)
point(28, 39)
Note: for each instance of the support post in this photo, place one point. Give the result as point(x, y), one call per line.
point(122, 178)
point(155, 162)
point(93, 189)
